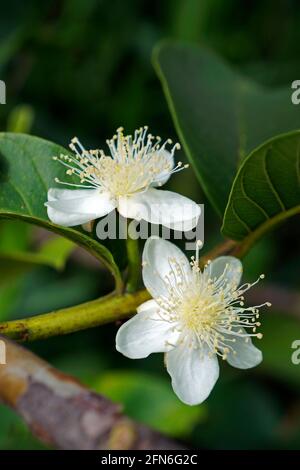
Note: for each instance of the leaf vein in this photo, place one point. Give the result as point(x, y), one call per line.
point(29, 208)
point(246, 195)
point(270, 183)
point(245, 225)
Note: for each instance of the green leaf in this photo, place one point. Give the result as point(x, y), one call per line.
point(14, 236)
point(219, 115)
point(16, 258)
point(27, 171)
point(266, 190)
point(9, 296)
point(54, 253)
point(151, 400)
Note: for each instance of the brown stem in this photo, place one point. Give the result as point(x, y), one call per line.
point(63, 413)
point(228, 247)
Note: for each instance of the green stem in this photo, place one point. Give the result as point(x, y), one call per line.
point(107, 309)
point(88, 315)
point(134, 264)
point(246, 244)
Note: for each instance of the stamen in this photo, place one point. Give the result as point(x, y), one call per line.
point(199, 244)
point(135, 162)
point(208, 312)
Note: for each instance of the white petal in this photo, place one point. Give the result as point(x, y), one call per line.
point(83, 201)
point(146, 333)
point(56, 194)
point(69, 208)
point(247, 355)
point(158, 259)
point(193, 373)
point(229, 266)
point(161, 207)
point(148, 306)
point(68, 219)
point(163, 177)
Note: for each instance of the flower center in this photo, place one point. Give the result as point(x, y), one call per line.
point(200, 312)
point(208, 311)
point(130, 176)
point(135, 162)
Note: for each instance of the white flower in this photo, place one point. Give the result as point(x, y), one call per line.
point(193, 317)
point(125, 180)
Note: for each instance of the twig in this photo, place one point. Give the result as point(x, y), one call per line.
point(63, 413)
point(95, 313)
point(88, 315)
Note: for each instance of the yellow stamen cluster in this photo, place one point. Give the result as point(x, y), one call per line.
point(135, 162)
point(208, 312)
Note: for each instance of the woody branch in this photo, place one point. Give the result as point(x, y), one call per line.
point(63, 413)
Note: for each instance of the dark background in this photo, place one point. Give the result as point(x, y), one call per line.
point(83, 67)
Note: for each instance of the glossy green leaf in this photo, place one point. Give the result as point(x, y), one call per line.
point(219, 115)
point(27, 171)
point(266, 190)
point(151, 400)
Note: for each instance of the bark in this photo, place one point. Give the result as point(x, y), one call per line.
point(63, 413)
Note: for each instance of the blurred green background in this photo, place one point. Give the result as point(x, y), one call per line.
point(83, 67)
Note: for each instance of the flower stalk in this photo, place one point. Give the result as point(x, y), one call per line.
point(134, 264)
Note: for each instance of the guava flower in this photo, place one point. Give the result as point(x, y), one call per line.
point(126, 180)
point(193, 318)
